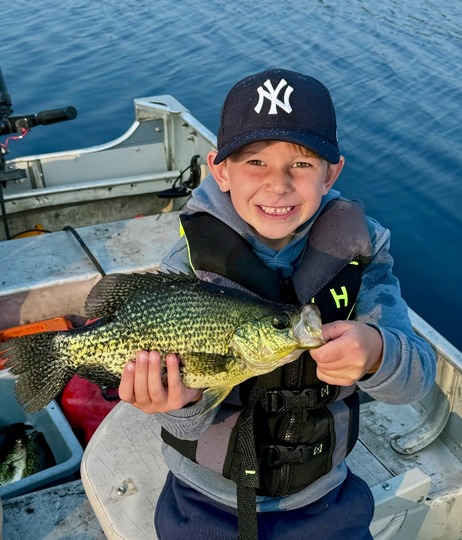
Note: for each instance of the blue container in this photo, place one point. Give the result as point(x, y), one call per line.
point(58, 434)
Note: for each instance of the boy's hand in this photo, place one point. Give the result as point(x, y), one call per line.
point(141, 384)
point(353, 349)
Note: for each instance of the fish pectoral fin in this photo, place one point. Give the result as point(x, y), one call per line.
point(210, 363)
point(213, 397)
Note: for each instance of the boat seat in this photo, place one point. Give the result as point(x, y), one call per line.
point(123, 474)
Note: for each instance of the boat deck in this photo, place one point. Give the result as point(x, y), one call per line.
point(57, 513)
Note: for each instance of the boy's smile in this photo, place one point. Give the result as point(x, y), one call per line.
point(269, 210)
point(275, 187)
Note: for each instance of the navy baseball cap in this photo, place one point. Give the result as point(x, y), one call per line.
point(279, 105)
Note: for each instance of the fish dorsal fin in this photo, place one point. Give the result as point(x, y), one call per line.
point(113, 290)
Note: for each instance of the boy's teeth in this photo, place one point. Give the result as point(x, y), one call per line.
point(272, 210)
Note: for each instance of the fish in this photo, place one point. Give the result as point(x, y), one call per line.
point(23, 451)
point(13, 467)
point(13, 453)
point(39, 453)
point(222, 336)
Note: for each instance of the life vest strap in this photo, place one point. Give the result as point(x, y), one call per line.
point(248, 479)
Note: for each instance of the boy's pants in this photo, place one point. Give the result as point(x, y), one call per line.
point(345, 513)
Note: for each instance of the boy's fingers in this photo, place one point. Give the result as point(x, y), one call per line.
point(126, 383)
point(331, 331)
point(155, 385)
point(140, 385)
point(173, 372)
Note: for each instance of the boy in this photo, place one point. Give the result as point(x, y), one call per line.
point(268, 219)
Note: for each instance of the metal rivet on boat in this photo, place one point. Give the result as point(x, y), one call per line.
point(386, 486)
point(121, 490)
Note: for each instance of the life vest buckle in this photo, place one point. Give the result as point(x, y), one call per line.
point(275, 455)
point(284, 400)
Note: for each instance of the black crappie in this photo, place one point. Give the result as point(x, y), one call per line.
point(23, 452)
point(13, 453)
point(13, 467)
point(222, 336)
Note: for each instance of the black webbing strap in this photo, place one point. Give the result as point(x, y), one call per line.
point(248, 479)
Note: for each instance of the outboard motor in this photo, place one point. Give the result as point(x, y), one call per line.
point(21, 124)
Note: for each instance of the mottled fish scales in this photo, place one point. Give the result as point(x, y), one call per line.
point(222, 336)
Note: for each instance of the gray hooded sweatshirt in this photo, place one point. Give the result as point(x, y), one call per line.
point(405, 375)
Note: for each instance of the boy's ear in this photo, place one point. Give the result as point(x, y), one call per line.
point(333, 172)
point(219, 172)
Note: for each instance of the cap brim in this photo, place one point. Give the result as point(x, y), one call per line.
point(316, 144)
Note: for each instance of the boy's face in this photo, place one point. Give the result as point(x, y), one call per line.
point(275, 187)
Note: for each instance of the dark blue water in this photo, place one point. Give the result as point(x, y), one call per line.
point(393, 68)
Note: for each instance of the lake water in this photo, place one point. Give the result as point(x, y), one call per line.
point(393, 68)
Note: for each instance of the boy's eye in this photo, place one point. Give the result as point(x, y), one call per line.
point(255, 162)
point(301, 164)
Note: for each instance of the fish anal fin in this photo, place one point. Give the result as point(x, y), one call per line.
point(98, 374)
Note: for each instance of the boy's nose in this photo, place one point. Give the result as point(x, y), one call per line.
point(279, 183)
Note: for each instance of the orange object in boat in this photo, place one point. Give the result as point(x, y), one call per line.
point(38, 229)
point(47, 325)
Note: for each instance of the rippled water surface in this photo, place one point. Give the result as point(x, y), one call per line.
point(393, 69)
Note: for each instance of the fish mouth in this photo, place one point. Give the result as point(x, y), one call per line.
point(308, 330)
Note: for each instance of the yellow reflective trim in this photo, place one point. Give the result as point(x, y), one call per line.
point(351, 311)
point(182, 233)
point(354, 262)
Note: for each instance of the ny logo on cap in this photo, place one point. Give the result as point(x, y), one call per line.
point(272, 95)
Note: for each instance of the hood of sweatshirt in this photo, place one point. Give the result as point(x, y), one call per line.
point(209, 198)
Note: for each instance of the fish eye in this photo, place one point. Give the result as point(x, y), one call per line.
point(281, 321)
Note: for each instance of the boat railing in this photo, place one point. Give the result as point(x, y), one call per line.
point(88, 191)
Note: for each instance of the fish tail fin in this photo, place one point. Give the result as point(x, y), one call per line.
point(39, 364)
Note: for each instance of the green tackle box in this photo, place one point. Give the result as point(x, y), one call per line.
point(58, 433)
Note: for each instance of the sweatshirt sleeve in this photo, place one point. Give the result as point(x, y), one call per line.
point(408, 367)
point(189, 422)
point(177, 259)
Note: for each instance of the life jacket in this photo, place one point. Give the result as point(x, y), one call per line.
point(305, 427)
